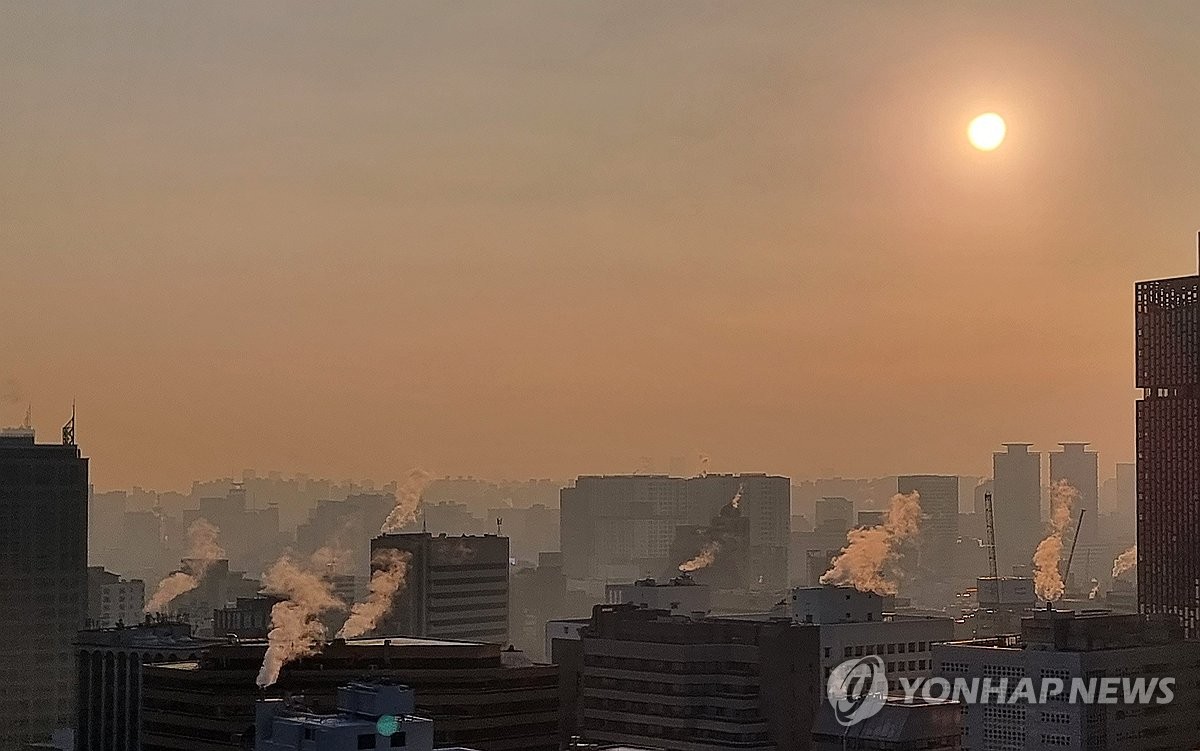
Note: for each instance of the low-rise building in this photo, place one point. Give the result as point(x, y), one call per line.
point(477, 694)
point(113, 600)
point(110, 678)
point(690, 683)
point(900, 725)
point(367, 716)
point(854, 624)
point(680, 594)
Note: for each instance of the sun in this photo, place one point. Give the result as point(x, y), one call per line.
point(986, 132)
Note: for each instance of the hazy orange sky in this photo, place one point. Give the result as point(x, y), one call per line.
point(545, 238)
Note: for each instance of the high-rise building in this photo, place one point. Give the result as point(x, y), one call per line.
point(478, 695)
point(1017, 504)
point(681, 683)
point(766, 502)
point(939, 519)
point(1168, 448)
point(456, 587)
point(622, 527)
point(43, 582)
point(1065, 645)
point(1079, 468)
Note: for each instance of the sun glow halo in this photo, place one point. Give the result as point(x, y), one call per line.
point(986, 132)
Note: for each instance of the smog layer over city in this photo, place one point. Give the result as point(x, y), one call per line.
point(627, 376)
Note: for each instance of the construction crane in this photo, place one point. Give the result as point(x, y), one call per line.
point(1075, 539)
point(990, 543)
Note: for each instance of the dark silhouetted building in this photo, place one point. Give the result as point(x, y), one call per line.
point(456, 587)
point(478, 695)
point(43, 582)
point(678, 683)
point(900, 725)
point(110, 678)
point(1168, 448)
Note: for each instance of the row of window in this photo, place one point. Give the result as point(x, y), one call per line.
point(879, 649)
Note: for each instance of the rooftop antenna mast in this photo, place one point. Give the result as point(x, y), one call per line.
point(68, 431)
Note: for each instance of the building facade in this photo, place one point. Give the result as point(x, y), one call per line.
point(1168, 448)
point(622, 527)
point(853, 624)
point(939, 520)
point(679, 683)
point(1080, 469)
point(1066, 645)
point(43, 582)
point(456, 588)
point(899, 726)
point(113, 600)
point(110, 678)
point(478, 695)
point(368, 717)
point(1017, 504)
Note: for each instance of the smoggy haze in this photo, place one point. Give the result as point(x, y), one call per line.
point(550, 238)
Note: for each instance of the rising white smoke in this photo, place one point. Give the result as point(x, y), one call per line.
point(737, 497)
point(708, 552)
point(203, 551)
point(870, 560)
point(408, 501)
point(390, 570)
point(1047, 578)
point(1124, 562)
point(705, 558)
point(296, 627)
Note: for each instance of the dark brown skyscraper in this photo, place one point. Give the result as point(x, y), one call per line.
point(43, 582)
point(1168, 447)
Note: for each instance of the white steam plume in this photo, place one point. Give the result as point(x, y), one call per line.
point(705, 558)
point(1047, 578)
point(296, 628)
point(408, 501)
point(1124, 562)
point(388, 577)
point(203, 551)
point(869, 562)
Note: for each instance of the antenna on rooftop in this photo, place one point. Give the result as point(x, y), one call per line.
point(68, 431)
